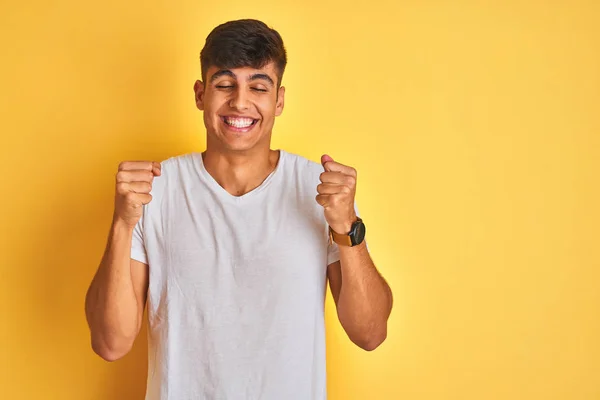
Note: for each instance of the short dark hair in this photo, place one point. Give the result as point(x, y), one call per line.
point(243, 43)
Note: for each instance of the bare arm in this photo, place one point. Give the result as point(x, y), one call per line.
point(116, 298)
point(362, 297)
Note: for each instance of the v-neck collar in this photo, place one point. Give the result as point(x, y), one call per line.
point(223, 194)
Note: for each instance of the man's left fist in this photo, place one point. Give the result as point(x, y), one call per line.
point(336, 194)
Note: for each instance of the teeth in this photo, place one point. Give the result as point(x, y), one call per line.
point(239, 122)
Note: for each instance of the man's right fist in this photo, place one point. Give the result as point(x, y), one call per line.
point(134, 183)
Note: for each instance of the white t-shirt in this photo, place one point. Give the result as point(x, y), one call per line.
point(237, 284)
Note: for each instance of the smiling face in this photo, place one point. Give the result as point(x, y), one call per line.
point(240, 106)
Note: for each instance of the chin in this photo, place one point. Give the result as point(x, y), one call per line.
point(237, 145)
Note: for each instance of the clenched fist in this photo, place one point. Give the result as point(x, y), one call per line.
point(134, 183)
point(336, 194)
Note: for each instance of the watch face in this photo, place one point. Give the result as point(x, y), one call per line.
point(358, 233)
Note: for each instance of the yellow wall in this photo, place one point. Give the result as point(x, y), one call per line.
point(475, 130)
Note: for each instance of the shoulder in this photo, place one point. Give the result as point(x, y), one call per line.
point(179, 163)
point(302, 166)
point(175, 170)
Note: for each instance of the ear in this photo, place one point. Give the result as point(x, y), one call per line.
point(280, 101)
point(199, 94)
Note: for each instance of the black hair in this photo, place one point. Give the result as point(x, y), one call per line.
point(243, 43)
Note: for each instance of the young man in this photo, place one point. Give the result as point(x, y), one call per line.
point(232, 249)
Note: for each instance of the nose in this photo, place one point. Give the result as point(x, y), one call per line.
point(239, 100)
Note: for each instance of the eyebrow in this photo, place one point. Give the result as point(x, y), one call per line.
point(254, 77)
point(263, 77)
point(223, 72)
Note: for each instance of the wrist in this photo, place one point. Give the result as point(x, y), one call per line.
point(355, 234)
point(346, 227)
point(120, 225)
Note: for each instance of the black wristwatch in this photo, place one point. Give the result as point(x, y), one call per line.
point(353, 238)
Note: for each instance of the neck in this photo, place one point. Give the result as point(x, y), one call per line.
point(240, 172)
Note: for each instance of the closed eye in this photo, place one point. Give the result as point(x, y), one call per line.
point(259, 90)
point(223, 87)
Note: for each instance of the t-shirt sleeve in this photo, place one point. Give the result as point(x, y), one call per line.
point(333, 253)
point(138, 248)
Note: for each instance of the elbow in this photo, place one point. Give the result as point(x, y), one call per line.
point(112, 350)
point(370, 341)
point(374, 342)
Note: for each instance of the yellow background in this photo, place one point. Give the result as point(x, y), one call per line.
point(475, 130)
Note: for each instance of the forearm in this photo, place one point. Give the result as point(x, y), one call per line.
point(111, 305)
point(365, 299)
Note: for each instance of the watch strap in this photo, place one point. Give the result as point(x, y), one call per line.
point(343, 239)
point(339, 238)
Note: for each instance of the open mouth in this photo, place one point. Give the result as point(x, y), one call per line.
point(239, 123)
